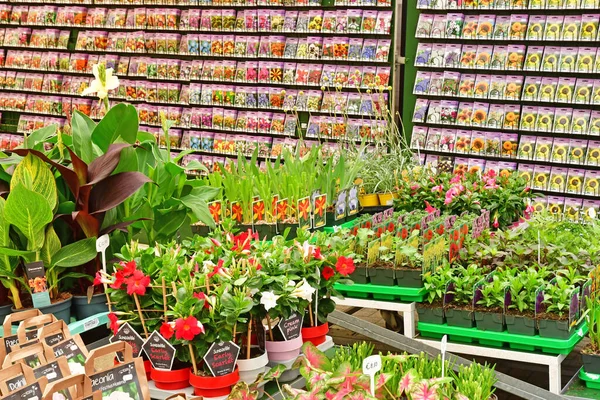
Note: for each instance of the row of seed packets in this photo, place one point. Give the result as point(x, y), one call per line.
point(514, 27)
point(40, 38)
point(560, 179)
point(10, 142)
point(242, 3)
point(251, 20)
point(512, 57)
point(507, 4)
point(508, 87)
point(539, 148)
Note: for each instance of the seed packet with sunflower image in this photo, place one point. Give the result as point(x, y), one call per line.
point(577, 150)
point(535, 28)
point(553, 28)
point(556, 205)
point(571, 27)
point(466, 85)
point(596, 91)
point(480, 114)
point(565, 88)
point(463, 141)
point(421, 106)
point(558, 179)
point(467, 58)
point(469, 30)
point(550, 60)
point(485, 26)
point(594, 123)
point(533, 60)
point(483, 57)
point(591, 183)
point(573, 209)
point(506, 168)
point(547, 90)
point(495, 116)
point(590, 209)
point(515, 58)
point(541, 176)
point(562, 120)
point(545, 119)
point(526, 147)
point(589, 27)
point(518, 26)
point(461, 165)
point(482, 86)
point(512, 114)
point(465, 112)
point(575, 181)
point(454, 25)
point(418, 138)
point(476, 165)
point(581, 121)
point(477, 142)
point(526, 173)
point(568, 56)
point(585, 59)
point(528, 118)
point(543, 148)
point(583, 91)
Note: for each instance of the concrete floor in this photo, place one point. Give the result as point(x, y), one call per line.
point(531, 373)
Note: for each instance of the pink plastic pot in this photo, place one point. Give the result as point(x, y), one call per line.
point(285, 350)
point(315, 334)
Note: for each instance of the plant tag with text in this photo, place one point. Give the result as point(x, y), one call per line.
point(291, 327)
point(372, 365)
point(101, 245)
point(221, 358)
point(159, 351)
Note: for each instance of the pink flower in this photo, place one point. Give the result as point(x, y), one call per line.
point(429, 208)
point(437, 188)
point(455, 179)
point(491, 173)
point(215, 242)
point(491, 184)
point(414, 188)
point(496, 224)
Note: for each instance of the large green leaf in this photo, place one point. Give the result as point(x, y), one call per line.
point(39, 137)
point(75, 254)
point(206, 193)
point(83, 127)
point(199, 208)
point(4, 226)
point(168, 223)
point(30, 212)
point(51, 245)
point(34, 174)
point(120, 124)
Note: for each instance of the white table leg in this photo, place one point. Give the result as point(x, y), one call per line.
point(554, 376)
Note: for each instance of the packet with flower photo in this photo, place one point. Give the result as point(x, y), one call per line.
point(575, 181)
point(438, 26)
point(556, 205)
point(581, 121)
point(482, 86)
point(548, 89)
point(558, 179)
point(571, 27)
point(480, 114)
point(535, 27)
point(495, 116)
point(583, 91)
point(562, 120)
point(591, 184)
point(454, 24)
point(545, 119)
point(590, 208)
point(469, 30)
point(420, 112)
point(461, 165)
point(463, 140)
point(501, 27)
point(419, 137)
point(421, 58)
point(589, 27)
point(518, 26)
point(434, 112)
point(541, 176)
point(526, 147)
point(515, 57)
point(485, 26)
point(543, 148)
point(573, 211)
point(533, 60)
point(526, 172)
point(433, 139)
point(435, 83)
point(577, 150)
point(477, 142)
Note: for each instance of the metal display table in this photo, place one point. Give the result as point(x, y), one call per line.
point(576, 390)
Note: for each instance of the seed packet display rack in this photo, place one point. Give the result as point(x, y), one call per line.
point(509, 85)
point(233, 75)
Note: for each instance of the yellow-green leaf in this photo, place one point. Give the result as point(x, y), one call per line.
point(30, 213)
point(34, 174)
point(51, 245)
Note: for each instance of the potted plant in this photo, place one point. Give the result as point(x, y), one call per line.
point(590, 355)
point(382, 271)
point(520, 305)
point(435, 283)
point(459, 300)
point(362, 238)
point(474, 381)
point(409, 261)
point(489, 304)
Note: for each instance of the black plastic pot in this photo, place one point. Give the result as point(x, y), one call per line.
point(82, 309)
point(460, 318)
point(359, 275)
point(265, 231)
point(489, 321)
point(520, 325)
point(410, 278)
point(5, 310)
point(330, 219)
point(430, 315)
point(201, 230)
point(382, 276)
point(555, 329)
point(591, 363)
point(293, 229)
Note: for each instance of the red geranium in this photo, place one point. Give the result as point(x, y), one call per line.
point(202, 296)
point(344, 265)
point(114, 322)
point(187, 329)
point(166, 330)
point(137, 283)
point(328, 273)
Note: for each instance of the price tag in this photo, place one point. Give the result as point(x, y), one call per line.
point(91, 324)
point(290, 328)
point(159, 351)
point(443, 346)
point(372, 365)
point(127, 334)
point(102, 244)
point(221, 358)
point(36, 275)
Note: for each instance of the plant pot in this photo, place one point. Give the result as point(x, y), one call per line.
point(5, 310)
point(555, 329)
point(284, 350)
point(250, 369)
point(430, 315)
point(359, 275)
point(520, 325)
point(315, 334)
point(82, 309)
point(202, 230)
point(591, 363)
point(171, 380)
point(489, 321)
point(292, 227)
point(148, 369)
point(460, 318)
point(386, 199)
point(382, 276)
point(265, 231)
point(60, 309)
point(368, 200)
point(410, 278)
point(214, 386)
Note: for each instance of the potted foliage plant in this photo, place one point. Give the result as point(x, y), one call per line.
point(409, 261)
point(489, 304)
point(475, 381)
point(431, 310)
point(362, 238)
point(382, 271)
point(459, 300)
point(520, 305)
point(590, 355)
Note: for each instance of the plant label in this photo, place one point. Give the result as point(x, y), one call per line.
point(352, 206)
point(51, 371)
point(30, 392)
point(102, 243)
point(215, 208)
point(388, 213)
point(159, 351)
point(258, 211)
point(372, 365)
point(121, 379)
point(320, 216)
point(221, 358)
point(340, 205)
point(290, 328)
point(261, 338)
point(237, 213)
point(16, 383)
point(36, 278)
point(443, 346)
point(304, 213)
point(282, 210)
point(128, 335)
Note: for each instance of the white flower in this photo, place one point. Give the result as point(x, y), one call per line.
point(269, 300)
point(103, 82)
point(117, 395)
point(291, 283)
point(304, 291)
point(307, 249)
point(207, 266)
point(58, 396)
point(76, 368)
point(253, 291)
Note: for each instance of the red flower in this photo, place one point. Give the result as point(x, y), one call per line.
point(254, 262)
point(242, 241)
point(166, 330)
point(317, 253)
point(187, 329)
point(137, 283)
point(430, 209)
point(114, 322)
point(202, 296)
point(128, 268)
point(216, 269)
point(344, 265)
point(328, 273)
point(98, 279)
point(119, 280)
point(215, 242)
point(428, 235)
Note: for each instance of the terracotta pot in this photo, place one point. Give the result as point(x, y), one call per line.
point(171, 380)
point(315, 334)
point(250, 369)
point(386, 199)
point(214, 386)
point(285, 350)
point(148, 369)
point(368, 200)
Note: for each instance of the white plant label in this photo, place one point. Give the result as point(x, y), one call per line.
point(443, 346)
point(101, 245)
point(372, 365)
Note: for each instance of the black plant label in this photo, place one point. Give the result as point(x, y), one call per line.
point(159, 351)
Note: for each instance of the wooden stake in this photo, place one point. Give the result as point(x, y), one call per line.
point(234, 328)
point(270, 331)
point(108, 302)
point(164, 290)
point(193, 358)
point(249, 340)
point(310, 316)
point(137, 303)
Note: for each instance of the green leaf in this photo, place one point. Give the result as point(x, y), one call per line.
point(169, 223)
point(51, 245)
point(30, 213)
point(145, 137)
point(206, 193)
point(199, 209)
point(15, 253)
point(34, 174)
point(40, 136)
point(4, 226)
point(83, 127)
point(119, 124)
point(75, 254)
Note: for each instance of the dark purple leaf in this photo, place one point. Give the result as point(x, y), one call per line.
point(114, 190)
point(121, 226)
point(79, 166)
point(104, 165)
point(89, 225)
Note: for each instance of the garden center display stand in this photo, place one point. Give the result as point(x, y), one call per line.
point(577, 388)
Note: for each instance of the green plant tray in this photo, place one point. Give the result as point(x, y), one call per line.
point(379, 292)
point(592, 381)
point(503, 339)
point(346, 225)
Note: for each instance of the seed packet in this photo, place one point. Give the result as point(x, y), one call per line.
point(469, 29)
point(289, 22)
point(448, 112)
point(485, 26)
point(315, 47)
point(436, 81)
point(424, 26)
point(314, 100)
point(581, 121)
point(558, 179)
point(482, 86)
point(545, 119)
point(465, 112)
point(577, 151)
point(420, 112)
point(369, 22)
point(537, 4)
point(369, 50)
point(596, 92)
point(302, 21)
point(466, 85)
point(469, 54)
point(461, 165)
point(548, 88)
point(528, 118)
point(438, 27)
point(477, 142)
point(515, 58)
point(543, 148)
point(418, 138)
point(434, 110)
point(341, 76)
point(571, 27)
point(499, 57)
point(535, 28)
point(526, 172)
point(556, 205)
point(585, 59)
point(568, 56)
point(480, 114)
point(575, 180)
point(564, 91)
point(291, 47)
point(594, 128)
point(433, 139)
point(438, 51)
point(492, 143)
point(554, 27)
point(551, 57)
point(463, 141)
point(501, 27)
point(512, 114)
point(591, 183)
point(484, 56)
point(450, 83)
point(509, 144)
point(447, 140)
point(252, 45)
point(383, 50)
point(533, 60)
point(495, 116)
point(593, 153)
point(518, 26)
point(452, 55)
point(589, 27)
point(562, 120)
point(541, 177)
point(583, 91)
point(514, 87)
